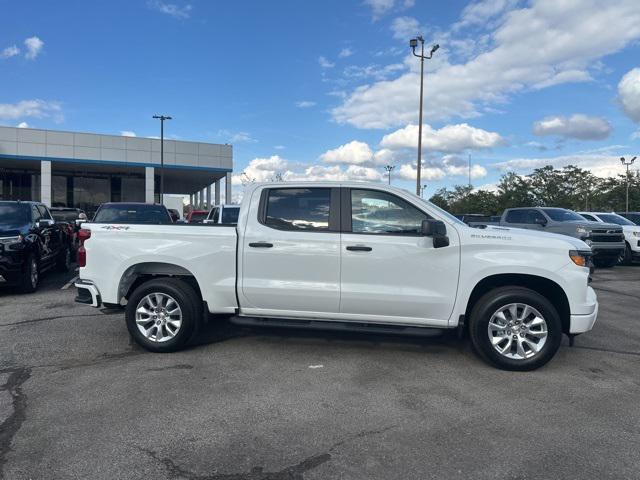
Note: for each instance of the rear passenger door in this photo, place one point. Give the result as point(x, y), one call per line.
point(528, 218)
point(291, 253)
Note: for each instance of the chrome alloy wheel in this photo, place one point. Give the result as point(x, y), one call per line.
point(517, 331)
point(158, 317)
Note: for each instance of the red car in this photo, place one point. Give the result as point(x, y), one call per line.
point(197, 216)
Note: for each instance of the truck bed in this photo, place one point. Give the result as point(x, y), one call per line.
point(207, 252)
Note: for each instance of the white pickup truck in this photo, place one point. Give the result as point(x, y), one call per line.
point(344, 255)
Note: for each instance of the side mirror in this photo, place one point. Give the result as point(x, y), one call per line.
point(437, 230)
point(44, 223)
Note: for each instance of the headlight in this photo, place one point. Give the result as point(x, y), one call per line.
point(636, 233)
point(582, 230)
point(10, 240)
point(580, 258)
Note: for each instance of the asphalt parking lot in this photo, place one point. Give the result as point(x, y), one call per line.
point(79, 400)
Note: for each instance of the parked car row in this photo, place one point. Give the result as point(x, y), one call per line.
point(31, 242)
point(612, 237)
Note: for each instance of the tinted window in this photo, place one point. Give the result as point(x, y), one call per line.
point(35, 213)
point(44, 212)
point(613, 218)
point(198, 217)
point(146, 214)
point(589, 217)
point(634, 217)
point(14, 214)
point(516, 216)
point(230, 215)
point(65, 215)
point(380, 212)
point(298, 208)
point(214, 215)
point(562, 215)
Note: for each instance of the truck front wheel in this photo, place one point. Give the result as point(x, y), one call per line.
point(162, 314)
point(515, 328)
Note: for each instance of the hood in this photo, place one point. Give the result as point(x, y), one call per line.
point(597, 225)
point(575, 243)
point(11, 230)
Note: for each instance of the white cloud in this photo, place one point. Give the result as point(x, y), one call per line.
point(34, 46)
point(377, 72)
point(481, 12)
point(171, 9)
point(345, 52)
point(236, 137)
point(31, 108)
point(128, 133)
point(279, 147)
point(455, 165)
point(410, 172)
point(404, 28)
point(546, 43)
point(601, 163)
point(23, 125)
point(450, 138)
point(305, 104)
point(352, 153)
point(379, 7)
point(10, 51)
point(324, 63)
point(629, 94)
point(261, 170)
point(578, 126)
point(636, 135)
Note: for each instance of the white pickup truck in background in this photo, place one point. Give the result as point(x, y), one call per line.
point(346, 255)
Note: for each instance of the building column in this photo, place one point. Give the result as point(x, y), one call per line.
point(45, 182)
point(149, 184)
point(227, 188)
point(209, 197)
point(216, 192)
point(199, 200)
point(191, 200)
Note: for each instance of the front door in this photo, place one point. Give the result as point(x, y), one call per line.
point(389, 271)
point(291, 253)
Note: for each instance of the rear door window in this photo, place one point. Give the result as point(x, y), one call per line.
point(302, 209)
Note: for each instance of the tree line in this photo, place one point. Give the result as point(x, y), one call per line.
point(568, 187)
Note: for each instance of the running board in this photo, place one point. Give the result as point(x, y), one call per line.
point(337, 326)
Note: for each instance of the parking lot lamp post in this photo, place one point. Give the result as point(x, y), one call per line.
point(413, 43)
point(422, 189)
point(627, 164)
point(162, 118)
point(389, 168)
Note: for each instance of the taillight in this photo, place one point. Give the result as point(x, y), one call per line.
point(82, 256)
point(84, 234)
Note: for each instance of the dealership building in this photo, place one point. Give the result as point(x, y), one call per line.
point(83, 170)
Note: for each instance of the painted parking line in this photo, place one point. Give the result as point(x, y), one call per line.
point(69, 283)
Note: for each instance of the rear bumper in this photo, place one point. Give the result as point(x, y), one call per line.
point(584, 322)
point(87, 293)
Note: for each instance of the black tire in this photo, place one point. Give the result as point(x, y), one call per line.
point(627, 258)
point(63, 262)
point(490, 303)
point(605, 262)
point(30, 278)
point(187, 299)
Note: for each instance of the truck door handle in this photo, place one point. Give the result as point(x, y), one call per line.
point(359, 248)
point(261, 245)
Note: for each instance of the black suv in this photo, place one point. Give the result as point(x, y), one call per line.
point(31, 242)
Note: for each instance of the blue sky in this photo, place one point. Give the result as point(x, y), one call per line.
point(329, 90)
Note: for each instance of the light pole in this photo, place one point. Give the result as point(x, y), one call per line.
point(627, 164)
point(389, 168)
point(422, 189)
point(162, 118)
point(413, 43)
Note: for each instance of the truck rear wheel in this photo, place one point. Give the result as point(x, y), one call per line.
point(515, 328)
point(163, 314)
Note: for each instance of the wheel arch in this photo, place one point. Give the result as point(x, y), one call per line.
point(139, 273)
point(544, 286)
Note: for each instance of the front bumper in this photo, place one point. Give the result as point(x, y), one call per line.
point(11, 266)
point(87, 293)
point(584, 322)
point(607, 250)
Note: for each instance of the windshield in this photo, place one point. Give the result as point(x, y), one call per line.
point(614, 218)
point(198, 216)
point(14, 214)
point(562, 215)
point(441, 211)
point(65, 215)
point(145, 214)
point(230, 215)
